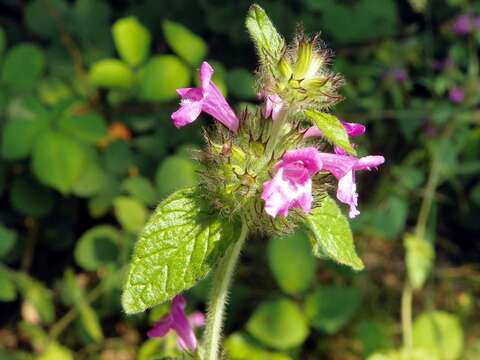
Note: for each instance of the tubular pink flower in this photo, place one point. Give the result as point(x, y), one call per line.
point(273, 106)
point(206, 98)
point(291, 187)
point(177, 321)
point(343, 167)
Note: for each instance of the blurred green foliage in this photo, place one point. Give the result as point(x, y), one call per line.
point(87, 150)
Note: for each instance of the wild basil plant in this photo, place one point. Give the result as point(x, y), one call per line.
point(263, 171)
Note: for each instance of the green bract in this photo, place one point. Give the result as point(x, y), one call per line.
point(179, 245)
point(331, 128)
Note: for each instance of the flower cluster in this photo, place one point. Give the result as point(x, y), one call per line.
point(245, 156)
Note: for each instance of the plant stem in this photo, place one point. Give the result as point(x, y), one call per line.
point(420, 230)
point(407, 317)
point(219, 294)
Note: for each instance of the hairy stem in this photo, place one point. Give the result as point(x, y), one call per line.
point(218, 296)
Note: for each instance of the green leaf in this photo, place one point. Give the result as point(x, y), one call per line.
point(292, 263)
point(90, 322)
point(175, 172)
point(55, 351)
point(374, 336)
point(189, 46)
point(98, 247)
point(331, 308)
point(8, 238)
point(279, 324)
point(390, 216)
point(89, 127)
point(18, 138)
point(29, 198)
point(241, 83)
point(404, 354)
point(130, 213)
point(58, 161)
point(419, 259)
point(440, 333)
point(117, 157)
point(269, 43)
point(239, 346)
point(336, 19)
point(331, 128)
point(39, 19)
point(179, 245)
point(8, 291)
point(331, 236)
point(132, 40)
point(111, 74)
point(23, 65)
point(141, 188)
point(91, 181)
point(161, 77)
point(37, 295)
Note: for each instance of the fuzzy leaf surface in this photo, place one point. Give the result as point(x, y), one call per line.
point(331, 236)
point(179, 245)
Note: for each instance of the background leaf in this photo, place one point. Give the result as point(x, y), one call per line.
point(189, 46)
point(161, 77)
point(132, 40)
point(439, 333)
point(23, 65)
point(279, 324)
point(57, 161)
point(292, 263)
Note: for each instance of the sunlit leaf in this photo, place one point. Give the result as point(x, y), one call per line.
point(179, 245)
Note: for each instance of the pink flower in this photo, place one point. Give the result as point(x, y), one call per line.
point(291, 187)
point(456, 95)
point(206, 98)
point(462, 25)
point(177, 321)
point(273, 106)
point(343, 167)
point(353, 130)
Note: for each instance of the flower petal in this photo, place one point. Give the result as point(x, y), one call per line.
point(181, 325)
point(197, 319)
point(216, 105)
point(354, 129)
point(161, 328)
point(291, 187)
point(206, 73)
point(188, 113)
point(308, 156)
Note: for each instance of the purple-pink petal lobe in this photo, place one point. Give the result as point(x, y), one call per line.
point(343, 167)
point(291, 186)
point(206, 98)
point(177, 321)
